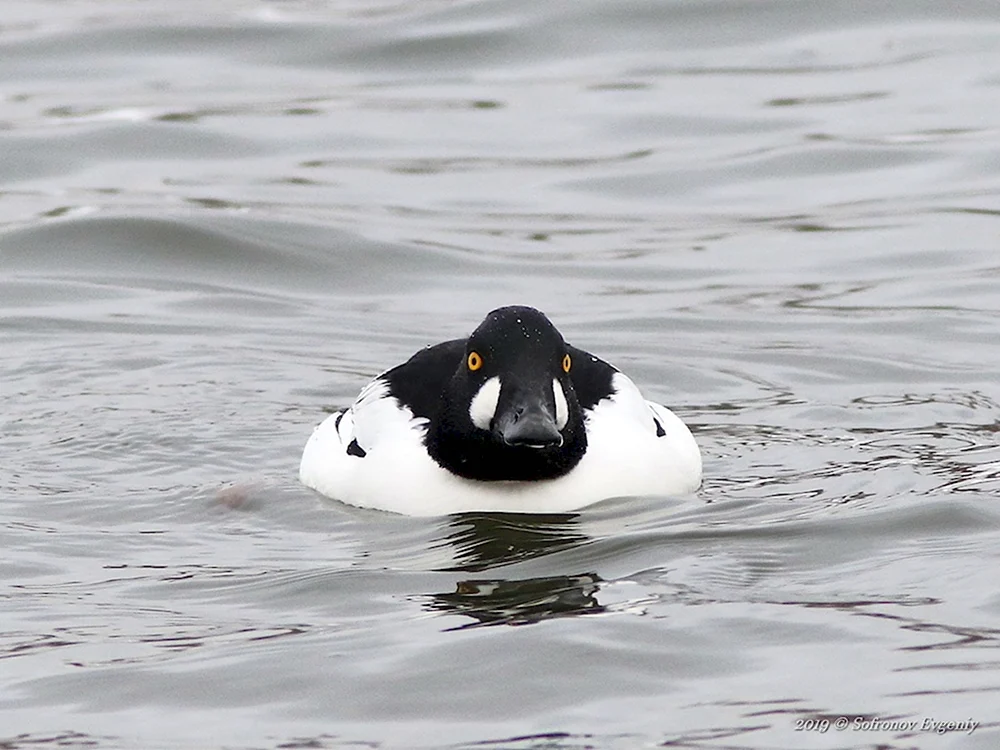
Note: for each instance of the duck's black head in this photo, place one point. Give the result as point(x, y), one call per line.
point(510, 411)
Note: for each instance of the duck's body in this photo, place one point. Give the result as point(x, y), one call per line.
point(510, 419)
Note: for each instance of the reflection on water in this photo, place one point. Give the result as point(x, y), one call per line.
point(507, 602)
point(484, 541)
point(490, 540)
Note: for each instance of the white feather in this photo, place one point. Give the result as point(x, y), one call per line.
point(562, 409)
point(484, 404)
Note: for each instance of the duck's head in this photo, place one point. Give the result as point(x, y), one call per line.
point(511, 412)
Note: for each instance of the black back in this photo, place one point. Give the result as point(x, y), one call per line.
point(591, 378)
point(419, 383)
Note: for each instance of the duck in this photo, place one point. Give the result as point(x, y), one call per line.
point(510, 419)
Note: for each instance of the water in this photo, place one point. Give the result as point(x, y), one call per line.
point(781, 218)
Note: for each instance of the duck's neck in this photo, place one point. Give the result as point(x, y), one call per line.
point(463, 449)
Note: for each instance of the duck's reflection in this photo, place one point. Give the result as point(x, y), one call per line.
point(504, 602)
point(489, 540)
point(483, 541)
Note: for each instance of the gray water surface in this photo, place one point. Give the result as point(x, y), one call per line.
point(217, 221)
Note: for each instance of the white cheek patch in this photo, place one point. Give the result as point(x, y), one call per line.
point(562, 410)
point(484, 403)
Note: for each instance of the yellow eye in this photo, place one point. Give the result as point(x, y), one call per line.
point(475, 361)
point(567, 363)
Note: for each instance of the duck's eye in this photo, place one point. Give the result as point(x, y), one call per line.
point(567, 363)
point(474, 361)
